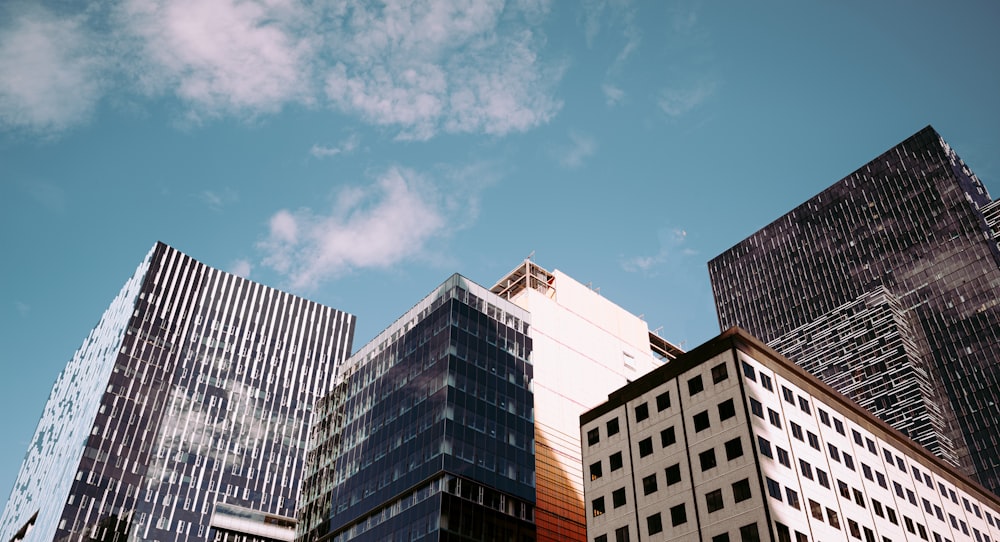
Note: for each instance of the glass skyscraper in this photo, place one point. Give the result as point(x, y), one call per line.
point(887, 286)
point(183, 416)
point(429, 432)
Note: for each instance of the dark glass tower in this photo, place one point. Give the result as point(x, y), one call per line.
point(887, 285)
point(429, 431)
point(184, 415)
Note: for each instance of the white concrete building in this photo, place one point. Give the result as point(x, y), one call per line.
point(583, 347)
point(732, 441)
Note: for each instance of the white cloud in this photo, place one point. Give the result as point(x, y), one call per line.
point(612, 94)
point(221, 56)
point(50, 70)
point(216, 200)
point(678, 101)
point(346, 146)
point(241, 268)
point(378, 226)
point(581, 147)
point(619, 13)
point(672, 245)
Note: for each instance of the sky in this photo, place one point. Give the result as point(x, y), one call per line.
point(358, 153)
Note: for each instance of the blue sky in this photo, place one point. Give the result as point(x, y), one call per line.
point(358, 155)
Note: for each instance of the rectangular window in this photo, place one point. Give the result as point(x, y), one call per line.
point(766, 382)
point(593, 437)
point(667, 437)
point(741, 490)
point(612, 426)
point(707, 459)
point(774, 417)
point(867, 471)
point(813, 439)
point(834, 453)
point(649, 484)
point(824, 418)
point(615, 461)
point(853, 527)
point(719, 373)
point(788, 395)
point(773, 488)
point(726, 410)
point(713, 500)
point(816, 509)
point(621, 534)
point(701, 421)
point(749, 533)
point(806, 469)
point(784, 535)
point(822, 478)
point(596, 471)
point(857, 437)
point(654, 524)
point(756, 408)
point(663, 401)
point(734, 449)
point(749, 372)
point(695, 385)
point(870, 444)
point(641, 412)
point(724, 537)
point(804, 405)
point(848, 461)
point(877, 508)
point(796, 430)
point(880, 478)
point(845, 490)
point(673, 473)
point(792, 497)
point(597, 506)
point(645, 446)
point(859, 498)
point(618, 497)
point(832, 518)
point(678, 515)
point(765, 447)
point(783, 457)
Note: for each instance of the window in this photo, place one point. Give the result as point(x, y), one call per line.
point(870, 444)
point(804, 405)
point(909, 525)
point(816, 509)
point(788, 395)
point(783, 456)
point(911, 497)
point(845, 490)
point(649, 484)
point(601, 538)
point(859, 498)
point(832, 518)
point(792, 497)
point(663, 401)
point(756, 408)
point(766, 382)
point(838, 426)
point(877, 508)
point(713, 500)
point(806, 469)
point(796, 430)
point(784, 535)
point(612, 426)
point(853, 527)
point(593, 437)
point(596, 471)
point(867, 471)
point(857, 437)
point(597, 506)
point(834, 453)
point(765, 447)
point(645, 446)
point(824, 418)
point(734, 449)
point(774, 417)
point(695, 385)
point(801, 537)
point(615, 461)
point(719, 373)
point(621, 534)
point(678, 515)
point(707, 459)
point(654, 524)
point(848, 461)
point(749, 372)
point(898, 488)
point(701, 422)
point(748, 533)
point(741, 490)
point(673, 474)
point(773, 488)
point(880, 478)
point(869, 535)
point(813, 439)
point(724, 537)
point(900, 464)
point(641, 412)
point(726, 410)
point(822, 478)
point(618, 497)
point(892, 515)
point(667, 437)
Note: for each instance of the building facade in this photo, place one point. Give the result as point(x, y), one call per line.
point(429, 433)
point(912, 236)
point(734, 442)
point(184, 415)
point(584, 347)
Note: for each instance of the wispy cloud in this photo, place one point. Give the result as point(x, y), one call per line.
point(418, 68)
point(51, 70)
point(217, 199)
point(580, 148)
point(391, 221)
point(672, 245)
point(678, 101)
point(346, 146)
point(613, 13)
point(241, 268)
point(612, 94)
